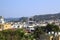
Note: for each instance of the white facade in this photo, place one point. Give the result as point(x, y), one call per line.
point(30, 24)
point(16, 25)
point(43, 24)
point(1, 19)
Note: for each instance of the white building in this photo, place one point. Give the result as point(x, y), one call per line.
point(30, 24)
point(17, 25)
point(1, 20)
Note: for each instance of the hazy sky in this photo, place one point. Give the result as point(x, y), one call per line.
point(19, 8)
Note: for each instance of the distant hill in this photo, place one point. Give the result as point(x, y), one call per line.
point(46, 17)
point(35, 18)
point(22, 19)
point(11, 19)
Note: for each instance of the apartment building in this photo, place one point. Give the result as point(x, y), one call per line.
point(30, 24)
point(5, 26)
point(1, 27)
point(17, 25)
point(1, 20)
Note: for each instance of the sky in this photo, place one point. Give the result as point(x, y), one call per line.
point(27, 8)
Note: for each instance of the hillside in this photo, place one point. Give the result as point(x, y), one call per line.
point(46, 17)
point(22, 19)
point(36, 17)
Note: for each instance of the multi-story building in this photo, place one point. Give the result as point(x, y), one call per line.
point(5, 26)
point(1, 20)
point(1, 27)
point(17, 25)
point(30, 24)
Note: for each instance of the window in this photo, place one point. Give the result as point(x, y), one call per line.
point(18, 26)
point(30, 19)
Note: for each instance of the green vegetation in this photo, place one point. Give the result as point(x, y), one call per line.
point(43, 30)
point(18, 34)
point(22, 34)
point(52, 27)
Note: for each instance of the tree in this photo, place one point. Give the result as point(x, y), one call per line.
point(51, 27)
point(38, 31)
